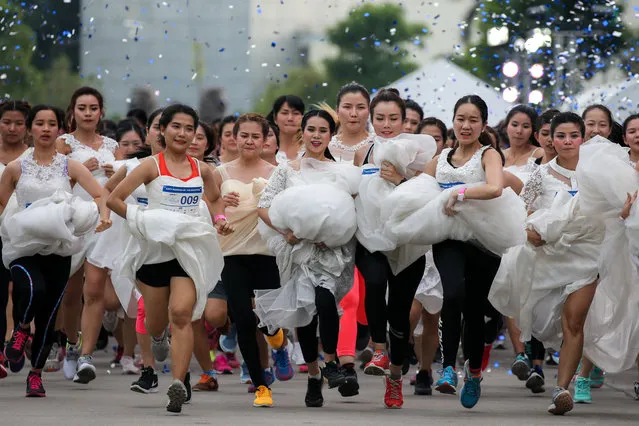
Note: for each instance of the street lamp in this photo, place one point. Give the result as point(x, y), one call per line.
point(510, 69)
point(536, 71)
point(536, 97)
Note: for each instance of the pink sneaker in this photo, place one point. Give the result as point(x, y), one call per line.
point(232, 359)
point(221, 365)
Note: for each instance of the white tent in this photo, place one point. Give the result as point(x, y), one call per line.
point(437, 86)
point(621, 97)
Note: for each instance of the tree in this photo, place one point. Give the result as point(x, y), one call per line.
point(591, 33)
point(372, 49)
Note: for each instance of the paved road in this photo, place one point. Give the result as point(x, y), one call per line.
point(108, 401)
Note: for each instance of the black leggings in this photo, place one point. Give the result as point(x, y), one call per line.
point(38, 287)
point(5, 279)
point(535, 350)
point(401, 292)
point(328, 327)
point(467, 273)
point(241, 276)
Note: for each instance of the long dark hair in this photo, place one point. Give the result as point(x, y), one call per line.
point(170, 111)
point(295, 102)
point(331, 125)
point(83, 91)
point(127, 125)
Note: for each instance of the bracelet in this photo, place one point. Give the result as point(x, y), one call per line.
point(219, 217)
point(461, 195)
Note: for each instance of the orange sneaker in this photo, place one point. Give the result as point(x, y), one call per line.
point(206, 384)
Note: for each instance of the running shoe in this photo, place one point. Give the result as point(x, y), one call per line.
point(282, 363)
point(34, 386)
point(424, 383)
point(228, 342)
point(245, 377)
point(521, 367)
point(70, 364)
point(119, 353)
point(177, 396)
point(393, 397)
point(54, 359)
point(597, 377)
point(582, 391)
point(263, 397)
point(365, 357)
point(128, 366)
point(16, 367)
point(277, 340)
point(413, 379)
point(110, 321)
point(86, 370)
point(161, 347)
point(3, 370)
point(378, 366)
point(447, 382)
point(221, 365)
point(14, 350)
point(147, 383)
point(333, 374)
point(636, 388)
point(561, 402)
point(206, 384)
point(187, 385)
point(471, 391)
point(314, 396)
point(350, 387)
point(536, 381)
point(302, 369)
point(232, 359)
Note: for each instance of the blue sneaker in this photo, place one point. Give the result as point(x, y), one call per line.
point(282, 363)
point(228, 342)
point(245, 377)
point(471, 391)
point(269, 378)
point(447, 383)
point(521, 367)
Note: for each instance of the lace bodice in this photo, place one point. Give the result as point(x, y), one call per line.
point(541, 188)
point(471, 172)
point(283, 177)
point(81, 152)
point(344, 153)
point(37, 182)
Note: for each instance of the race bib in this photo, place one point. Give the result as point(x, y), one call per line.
point(182, 199)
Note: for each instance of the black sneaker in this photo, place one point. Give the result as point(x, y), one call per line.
point(34, 385)
point(423, 383)
point(536, 381)
point(147, 383)
point(314, 396)
point(350, 387)
point(187, 385)
point(14, 350)
point(333, 375)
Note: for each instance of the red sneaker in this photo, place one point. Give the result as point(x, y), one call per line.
point(303, 368)
point(393, 397)
point(221, 365)
point(378, 366)
point(486, 357)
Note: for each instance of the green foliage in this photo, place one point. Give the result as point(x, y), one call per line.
point(372, 49)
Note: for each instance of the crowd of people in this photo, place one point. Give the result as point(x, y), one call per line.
point(317, 236)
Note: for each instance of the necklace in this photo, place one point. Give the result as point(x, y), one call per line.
point(336, 142)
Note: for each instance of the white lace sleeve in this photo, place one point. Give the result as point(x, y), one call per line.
point(533, 188)
point(276, 184)
point(69, 140)
point(110, 144)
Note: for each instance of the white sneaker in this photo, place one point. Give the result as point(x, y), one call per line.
point(128, 366)
point(53, 360)
point(110, 321)
point(70, 365)
point(161, 346)
point(86, 370)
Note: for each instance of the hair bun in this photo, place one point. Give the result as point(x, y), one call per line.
point(390, 90)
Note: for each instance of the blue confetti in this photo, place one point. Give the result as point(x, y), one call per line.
point(221, 50)
point(366, 15)
point(273, 44)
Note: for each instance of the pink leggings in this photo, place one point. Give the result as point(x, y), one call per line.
point(354, 312)
point(139, 322)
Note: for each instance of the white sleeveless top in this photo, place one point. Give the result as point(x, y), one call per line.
point(448, 175)
point(37, 182)
point(174, 194)
point(139, 195)
point(540, 190)
point(81, 152)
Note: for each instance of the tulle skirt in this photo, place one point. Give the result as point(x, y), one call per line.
point(430, 292)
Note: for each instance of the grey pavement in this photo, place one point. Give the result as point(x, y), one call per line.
point(108, 401)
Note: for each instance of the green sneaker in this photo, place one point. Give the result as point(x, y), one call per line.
point(597, 378)
point(582, 391)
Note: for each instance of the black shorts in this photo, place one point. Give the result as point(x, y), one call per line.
point(160, 274)
point(218, 292)
point(244, 273)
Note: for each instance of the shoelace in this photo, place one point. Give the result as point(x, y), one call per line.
point(395, 388)
point(35, 381)
point(378, 357)
point(471, 386)
point(582, 385)
point(20, 339)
